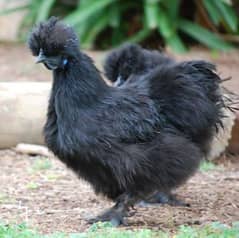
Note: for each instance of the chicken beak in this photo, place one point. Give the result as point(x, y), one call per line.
point(41, 58)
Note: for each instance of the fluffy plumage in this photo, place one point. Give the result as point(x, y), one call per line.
point(131, 59)
point(124, 141)
point(130, 62)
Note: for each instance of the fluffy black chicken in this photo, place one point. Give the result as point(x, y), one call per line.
point(131, 59)
point(130, 62)
point(125, 141)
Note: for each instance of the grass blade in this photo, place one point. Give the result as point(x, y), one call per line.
point(115, 15)
point(140, 35)
point(44, 10)
point(176, 44)
point(151, 13)
point(82, 13)
point(172, 8)
point(228, 15)
point(166, 29)
point(203, 35)
point(88, 40)
point(212, 11)
point(164, 25)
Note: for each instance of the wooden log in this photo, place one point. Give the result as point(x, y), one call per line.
point(222, 139)
point(233, 147)
point(22, 112)
point(31, 149)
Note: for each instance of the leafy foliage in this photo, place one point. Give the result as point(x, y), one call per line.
point(108, 23)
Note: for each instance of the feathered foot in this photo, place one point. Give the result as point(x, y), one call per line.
point(112, 215)
point(163, 198)
point(117, 213)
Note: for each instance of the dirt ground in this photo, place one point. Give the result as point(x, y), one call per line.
point(51, 198)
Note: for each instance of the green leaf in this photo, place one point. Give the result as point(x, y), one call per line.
point(212, 10)
point(115, 16)
point(228, 14)
point(83, 2)
point(172, 7)
point(151, 13)
point(139, 36)
point(176, 44)
point(44, 10)
point(164, 25)
point(81, 14)
point(203, 35)
point(88, 40)
point(166, 29)
point(206, 166)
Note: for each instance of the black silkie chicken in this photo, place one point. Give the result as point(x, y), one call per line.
point(123, 140)
point(130, 62)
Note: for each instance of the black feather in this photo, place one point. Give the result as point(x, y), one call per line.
point(190, 95)
point(131, 59)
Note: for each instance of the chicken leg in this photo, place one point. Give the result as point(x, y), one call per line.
point(116, 214)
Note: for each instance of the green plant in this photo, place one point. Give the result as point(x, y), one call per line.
point(213, 230)
point(42, 163)
point(111, 22)
point(206, 166)
point(105, 230)
point(100, 230)
point(15, 231)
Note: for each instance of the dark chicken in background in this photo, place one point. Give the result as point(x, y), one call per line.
point(130, 62)
point(131, 59)
point(127, 142)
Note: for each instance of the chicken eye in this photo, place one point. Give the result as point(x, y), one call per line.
point(65, 61)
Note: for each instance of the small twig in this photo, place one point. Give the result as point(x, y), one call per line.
point(32, 149)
